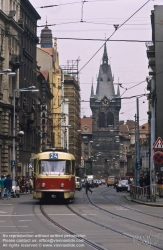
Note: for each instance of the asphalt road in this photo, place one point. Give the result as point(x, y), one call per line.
point(104, 218)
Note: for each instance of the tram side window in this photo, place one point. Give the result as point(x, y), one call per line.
point(68, 167)
point(35, 166)
point(73, 167)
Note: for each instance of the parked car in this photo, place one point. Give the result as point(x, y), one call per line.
point(91, 183)
point(122, 185)
point(103, 181)
point(15, 191)
point(78, 183)
point(99, 182)
point(96, 184)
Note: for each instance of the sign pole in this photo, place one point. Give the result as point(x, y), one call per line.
point(152, 166)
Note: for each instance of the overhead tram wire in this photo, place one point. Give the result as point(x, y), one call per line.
point(113, 34)
point(62, 4)
point(102, 40)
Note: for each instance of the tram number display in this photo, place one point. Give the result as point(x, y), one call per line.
point(53, 156)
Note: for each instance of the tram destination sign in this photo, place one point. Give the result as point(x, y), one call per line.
point(53, 155)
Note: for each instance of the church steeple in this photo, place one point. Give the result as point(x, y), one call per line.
point(46, 37)
point(105, 55)
point(92, 90)
point(105, 85)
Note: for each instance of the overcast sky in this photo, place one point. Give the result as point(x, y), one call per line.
point(128, 60)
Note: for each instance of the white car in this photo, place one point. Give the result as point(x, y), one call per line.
point(15, 192)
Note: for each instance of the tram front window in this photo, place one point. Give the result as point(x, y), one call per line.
point(54, 167)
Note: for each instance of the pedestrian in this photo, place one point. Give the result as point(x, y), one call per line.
point(2, 186)
point(23, 182)
point(27, 185)
point(87, 186)
point(147, 184)
point(31, 185)
point(8, 186)
point(141, 181)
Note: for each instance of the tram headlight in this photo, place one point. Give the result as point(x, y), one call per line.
point(43, 185)
point(62, 185)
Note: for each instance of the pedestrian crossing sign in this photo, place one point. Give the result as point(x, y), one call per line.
point(158, 144)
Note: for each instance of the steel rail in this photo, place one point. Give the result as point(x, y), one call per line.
point(84, 240)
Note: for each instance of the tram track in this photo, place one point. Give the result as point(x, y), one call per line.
point(131, 209)
point(108, 227)
point(82, 239)
point(88, 242)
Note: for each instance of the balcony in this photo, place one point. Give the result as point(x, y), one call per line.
point(152, 62)
point(15, 61)
point(150, 50)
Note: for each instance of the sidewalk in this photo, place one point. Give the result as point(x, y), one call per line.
point(158, 203)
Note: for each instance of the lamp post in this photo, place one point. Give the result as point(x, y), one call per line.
point(29, 89)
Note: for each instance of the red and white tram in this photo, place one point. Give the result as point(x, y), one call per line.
point(54, 175)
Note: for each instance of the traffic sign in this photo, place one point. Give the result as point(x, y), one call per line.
point(158, 157)
point(12, 163)
point(158, 144)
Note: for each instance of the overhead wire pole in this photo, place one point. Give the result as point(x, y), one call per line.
point(152, 141)
point(138, 142)
point(135, 160)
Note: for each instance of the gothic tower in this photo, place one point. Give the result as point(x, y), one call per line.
point(46, 38)
point(105, 106)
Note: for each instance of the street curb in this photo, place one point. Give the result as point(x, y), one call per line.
point(143, 203)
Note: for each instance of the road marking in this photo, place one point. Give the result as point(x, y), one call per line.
point(2, 221)
point(3, 212)
point(61, 214)
point(6, 204)
point(16, 215)
point(13, 226)
point(25, 220)
point(121, 208)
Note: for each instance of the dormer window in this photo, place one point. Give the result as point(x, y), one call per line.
point(104, 62)
point(108, 79)
point(101, 79)
point(85, 128)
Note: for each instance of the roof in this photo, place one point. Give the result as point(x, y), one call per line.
point(123, 129)
point(105, 80)
point(50, 51)
point(45, 73)
point(86, 125)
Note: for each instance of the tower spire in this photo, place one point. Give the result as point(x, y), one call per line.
point(118, 89)
point(105, 55)
point(92, 89)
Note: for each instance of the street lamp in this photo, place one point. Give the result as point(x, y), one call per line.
point(7, 72)
point(29, 89)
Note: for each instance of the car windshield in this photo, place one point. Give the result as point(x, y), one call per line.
point(54, 167)
point(123, 182)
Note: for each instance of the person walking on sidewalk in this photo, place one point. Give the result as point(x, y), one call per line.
point(2, 186)
point(8, 186)
point(87, 186)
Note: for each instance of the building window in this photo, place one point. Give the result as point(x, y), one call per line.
point(110, 119)
point(101, 120)
point(86, 128)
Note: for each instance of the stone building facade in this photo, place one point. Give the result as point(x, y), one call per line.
point(105, 106)
point(18, 23)
point(9, 59)
point(72, 94)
